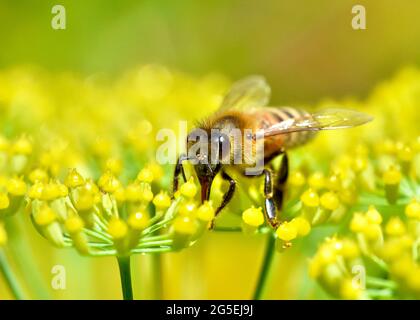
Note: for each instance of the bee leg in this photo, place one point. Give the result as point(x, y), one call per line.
point(270, 207)
point(179, 169)
point(280, 183)
point(227, 196)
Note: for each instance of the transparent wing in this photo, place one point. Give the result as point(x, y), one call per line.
point(328, 119)
point(248, 93)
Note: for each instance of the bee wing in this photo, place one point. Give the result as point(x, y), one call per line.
point(328, 119)
point(248, 93)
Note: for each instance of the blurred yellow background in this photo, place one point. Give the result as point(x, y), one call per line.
point(306, 49)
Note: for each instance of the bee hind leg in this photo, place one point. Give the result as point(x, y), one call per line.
point(274, 190)
point(270, 206)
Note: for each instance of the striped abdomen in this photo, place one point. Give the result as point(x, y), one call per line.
point(267, 117)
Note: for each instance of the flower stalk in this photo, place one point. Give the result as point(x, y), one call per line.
point(265, 268)
point(124, 265)
point(10, 277)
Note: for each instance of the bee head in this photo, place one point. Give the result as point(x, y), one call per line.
point(204, 152)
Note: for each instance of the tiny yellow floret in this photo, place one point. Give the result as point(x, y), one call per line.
point(36, 190)
point(108, 182)
point(373, 215)
point(287, 231)
point(253, 216)
point(329, 201)
point(38, 175)
point(302, 225)
point(16, 187)
point(395, 227)
point(412, 210)
point(392, 176)
point(74, 179)
point(184, 225)
point(187, 209)
point(117, 228)
point(206, 212)
point(310, 198)
point(296, 179)
point(317, 180)
point(145, 175)
point(162, 201)
point(138, 220)
point(45, 216)
point(358, 223)
point(74, 224)
point(189, 189)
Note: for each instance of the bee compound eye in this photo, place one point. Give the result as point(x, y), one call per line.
point(223, 138)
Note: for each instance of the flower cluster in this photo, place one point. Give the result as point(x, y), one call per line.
point(375, 252)
point(14, 159)
point(106, 129)
point(382, 236)
point(379, 260)
point(107, 218)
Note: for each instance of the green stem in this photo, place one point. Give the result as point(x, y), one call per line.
point(22, 253)
point(97, 235)
point(154, 238)
point(227, 229)
point(155, 243)
point(379, 262)
point(125, 276)
point(152, 250)
point(10, 277)
point(381, 283)
point(103, 253)
point(265, 268)
point(380, 293)
point(155, 227)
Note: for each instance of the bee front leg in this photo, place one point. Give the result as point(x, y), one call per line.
point(179, 169)
point(227, 196)
point(270, 207)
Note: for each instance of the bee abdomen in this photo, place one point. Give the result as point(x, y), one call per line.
point(274, 116)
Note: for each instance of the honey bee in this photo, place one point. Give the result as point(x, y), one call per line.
point(244, 109)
